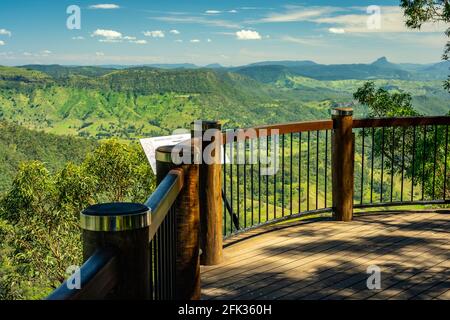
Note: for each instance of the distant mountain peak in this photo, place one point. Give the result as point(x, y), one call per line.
point(383, 61)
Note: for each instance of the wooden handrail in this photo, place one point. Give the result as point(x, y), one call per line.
point(163, 198)
point(98, 276)
point(282, 128)
point(305, 126)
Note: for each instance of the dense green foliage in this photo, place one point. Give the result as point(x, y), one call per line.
point(383, 103)
point(418, 12)
point(39, 215)
point(142, 102)
point(18, 144)
point(418, 153)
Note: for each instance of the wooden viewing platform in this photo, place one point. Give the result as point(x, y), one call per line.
point(329, 260)
point(230, 229)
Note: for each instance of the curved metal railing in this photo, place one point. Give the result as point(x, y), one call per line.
point(398, 161)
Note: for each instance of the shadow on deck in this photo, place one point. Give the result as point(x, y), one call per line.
point(329, 260)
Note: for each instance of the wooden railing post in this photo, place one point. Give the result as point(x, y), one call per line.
point(211, 212)
point(343, 163)
point(187, 207)
point(125, 228)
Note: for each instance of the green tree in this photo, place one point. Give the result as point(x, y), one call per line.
point(418, 12)
point(39, 215)
point(419, 151)
point(122, 170)
point(383, 103)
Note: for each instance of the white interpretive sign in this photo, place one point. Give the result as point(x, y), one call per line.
point(150, 145)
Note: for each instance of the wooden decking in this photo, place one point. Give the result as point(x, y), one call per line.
point(329, 260)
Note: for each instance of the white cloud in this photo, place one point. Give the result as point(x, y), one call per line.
point(303, 41)
point(78, 38)
point(174, 31)
point(248, 35)
point(5, 32)
point(195, 41)
point(139, 41)
point(107, 6)
point(232, 11)
point(391, 21)
point(298, 14)
point(27, 54)
point(110, 40)
point(337, 30)
point(213, 11)
point(108, 34)
point(45, 53)
point(199, 20)
point(154, 34)
point(179, 40)
point(129, 38)
point(100, 54)
point(208, 40)
point(2, 43)
point(350, 19)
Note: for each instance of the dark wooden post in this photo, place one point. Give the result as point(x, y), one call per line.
point(343, 163)
point(124, 227)
point(187, 275)
point(211, 212)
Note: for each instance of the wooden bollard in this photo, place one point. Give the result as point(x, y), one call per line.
point(343, 164)
point(211, 212)
point(187, 207)
point(125, 228)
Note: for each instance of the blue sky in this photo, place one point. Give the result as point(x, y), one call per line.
point(203, 32)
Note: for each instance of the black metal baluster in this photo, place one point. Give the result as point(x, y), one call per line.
point(166, 259)
point(299, 172)
point(267, 180)
point(372, 165)
point(160, 267)
point(259, 180)
point(392, 162)
point(224, 189)
point(275, 177)
point(423, 160)
point(403, 163)
point(382, 164)
point(238, 189)
point(232, 161)
point(413, 162)
point(317, 169)
point(291, 181)
point(445, 163)
point(252, 175)
point(283, 182)
point(435, 161)
point(326, 167)
point(307, 172)
point(245, 184)
point(362, 168)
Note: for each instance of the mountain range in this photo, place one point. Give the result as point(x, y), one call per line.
point(131, 102)
point(269, 71)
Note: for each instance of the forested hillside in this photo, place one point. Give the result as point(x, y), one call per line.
point(135, 102)
point(18, 144)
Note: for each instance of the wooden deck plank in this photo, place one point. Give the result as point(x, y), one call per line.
point(321, 252)
point(285, 246)
point(328, 260)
